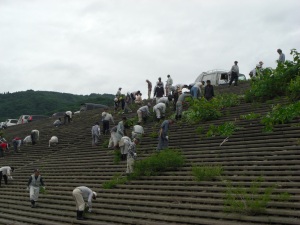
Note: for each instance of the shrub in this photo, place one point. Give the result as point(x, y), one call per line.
point(199, 130)
point(154, 134)
point(250, 116)
point(202, 110)
point(206, 172)
point(117, 156)
point(105, 143)
point(274, 82)
point(250, 201)
point(280, 115)
point(228, 100)
point(294, 89)
point(155, 164)
point(226, 129)
point(117, 179)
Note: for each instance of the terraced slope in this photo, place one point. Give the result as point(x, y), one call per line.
point(171, 198)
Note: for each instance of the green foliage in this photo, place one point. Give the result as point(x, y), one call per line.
point(200, 130)
point(45, 103)
point(228, 100)
point(285, 196)
point(274, 82)
point(105, 143)
point(153, 134)
point(131, 122)
point(280, 115)
point(226, 129)
point(249, 201)
point(117, 179)
point(294, 89)
point(117, 156)
point(206, 172)
point(250, 116)
point(42, 190)
point(202, 110)
point(157, 163)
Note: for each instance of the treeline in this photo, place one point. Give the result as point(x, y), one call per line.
point(30, 102)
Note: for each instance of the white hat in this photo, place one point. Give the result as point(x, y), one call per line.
point(115, 99)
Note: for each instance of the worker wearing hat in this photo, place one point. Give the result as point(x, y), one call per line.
point(80, 195)
point(34, 183)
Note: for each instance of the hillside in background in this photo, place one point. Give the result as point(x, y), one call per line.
point(30, 102)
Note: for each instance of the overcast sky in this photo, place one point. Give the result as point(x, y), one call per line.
point(95, 46)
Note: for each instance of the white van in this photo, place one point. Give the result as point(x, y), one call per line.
point(217, 77)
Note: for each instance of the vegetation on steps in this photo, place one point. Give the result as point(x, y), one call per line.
point(203, 110)
point(251, 200)
point(226, 129)
point(206, 172)
point(155, 164)
point(280, 115)
point(284, 80)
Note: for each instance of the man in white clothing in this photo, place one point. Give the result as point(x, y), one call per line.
point(165, 100)
point(34, 184)
point(80, 195)
point(143, 112)
point(53, 141)
point(95, 134)
point(138, 131)
point(68, 117)
point(160, 110)
point(6, 172)
point(27, 139)
point(123, 144)
point(169, 84)
point(131, 155)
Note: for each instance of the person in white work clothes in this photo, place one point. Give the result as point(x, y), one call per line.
point(80, 195)
point(34, 184)
point(138, 131)
point(6, 172)
point(68, 117)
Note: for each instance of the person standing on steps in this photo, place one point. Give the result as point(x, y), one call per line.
point(34, 184)
point(234, 74)
point(131, 155)
point(179, 103)
point(80, 195)
point(6, 172)
point(35, 135)
point(169, 84)
point(120, 130)
point(123, 144)
point(68, 117)
point(159, 90)
point(209, 91)
point(106, 118)
point(281, 58)
point(149, 88)
point(95, 134)
point(163, 139)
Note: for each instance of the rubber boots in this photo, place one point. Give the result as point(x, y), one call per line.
point(80, 215)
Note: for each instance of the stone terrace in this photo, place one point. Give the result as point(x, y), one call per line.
point(171, 198)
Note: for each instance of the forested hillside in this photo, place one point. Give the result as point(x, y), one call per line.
point(30, 102)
